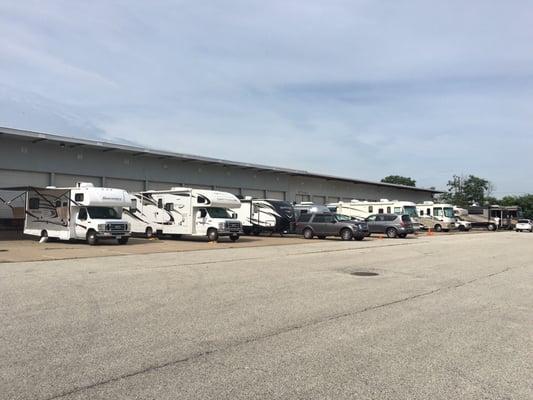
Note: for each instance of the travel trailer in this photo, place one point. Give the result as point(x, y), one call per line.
point(307, 207)
point(436, 216)
point(363, 209)
point(265, 215)
point(184, 211)
point(83, 212)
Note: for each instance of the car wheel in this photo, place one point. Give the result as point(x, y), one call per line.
point(346, 234)
point(212, 235)
point(91, 238)
point(149, 233)
point(308, 233)
point(123, 240)
point(438, 228)
point(234, 238)
point(392, 233)
point(461, 228)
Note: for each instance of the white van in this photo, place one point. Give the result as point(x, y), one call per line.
point(436, 216)
point(83, 212)
point(184, 211)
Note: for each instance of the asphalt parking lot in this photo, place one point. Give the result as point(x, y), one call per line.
point(433, 317)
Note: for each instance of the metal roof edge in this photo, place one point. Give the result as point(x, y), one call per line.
point(184, 156)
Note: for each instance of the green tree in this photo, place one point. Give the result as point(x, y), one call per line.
point(464, 192)
point(399, 180)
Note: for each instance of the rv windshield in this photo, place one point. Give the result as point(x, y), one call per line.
point(103, 213)
point(448, 212)
point(411, 211)
point(217, 212)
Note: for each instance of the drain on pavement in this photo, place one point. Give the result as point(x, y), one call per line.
point(364, 273)
point(2, 250)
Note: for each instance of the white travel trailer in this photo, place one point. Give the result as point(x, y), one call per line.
point(83, 212)
point(436, 216)
point(265, 215)
point(362, 209)
point(184, 211)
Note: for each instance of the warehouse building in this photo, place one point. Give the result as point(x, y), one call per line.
point(38, 159)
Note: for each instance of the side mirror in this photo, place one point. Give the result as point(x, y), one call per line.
point(234, 215)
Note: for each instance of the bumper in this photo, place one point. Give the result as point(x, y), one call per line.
point(407, 230)
point(112, 235)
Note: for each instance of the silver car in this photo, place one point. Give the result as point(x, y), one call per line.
point(393, 225)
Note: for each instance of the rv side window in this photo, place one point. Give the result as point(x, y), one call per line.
point(421, 213)
point(388, 210)
point(397, 210)
point(78, 197)
point(169, 206)
point(58, 203)
point(256, 208)
point(428, 211)
point(133, 205)
point(34, 203)
point(370, 209)
point(159, 203)
point(82, 215)
point(201, 199)
point(380, 211)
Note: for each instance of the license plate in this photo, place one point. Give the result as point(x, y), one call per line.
point(119, 237)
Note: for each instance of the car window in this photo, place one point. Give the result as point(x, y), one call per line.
point(406, 218)
point(379, 218)
point(319, 218)
point(304, 218)
point(371, 218)
point(389, 218)
point(523, 221)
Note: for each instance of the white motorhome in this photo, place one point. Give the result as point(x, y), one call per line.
point(83, 212)
point(436, 216)
point(184, 211)
point(363, 209)
point(265, 215)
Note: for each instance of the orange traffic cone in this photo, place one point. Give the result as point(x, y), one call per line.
point(430, 232)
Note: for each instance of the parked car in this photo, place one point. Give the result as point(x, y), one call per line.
point(462, 225)
point(393, 225)
point(524, 225)
point(329, 224)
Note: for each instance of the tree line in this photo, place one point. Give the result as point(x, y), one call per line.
point(465, 191)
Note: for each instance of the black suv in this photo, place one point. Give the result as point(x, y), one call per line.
point(328, 224)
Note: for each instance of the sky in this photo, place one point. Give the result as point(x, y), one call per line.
point(357, 88)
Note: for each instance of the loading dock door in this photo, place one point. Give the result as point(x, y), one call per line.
point(272, 194)
point(256, 194)
point(319, 199)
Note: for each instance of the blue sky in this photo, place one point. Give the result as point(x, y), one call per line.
point(356, 88)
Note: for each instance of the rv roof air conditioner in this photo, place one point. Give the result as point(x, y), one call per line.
point(248, 197)
point(51, 187)
point(84, 184)
point(429, 203)
point(384, 200)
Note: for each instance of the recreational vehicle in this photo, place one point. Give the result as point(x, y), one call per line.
point(265, 215)
point(363, 209)
point(184, 211)
point(436, 216)
point(83, 212)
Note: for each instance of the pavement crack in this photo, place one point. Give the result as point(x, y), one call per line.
point(288, 329)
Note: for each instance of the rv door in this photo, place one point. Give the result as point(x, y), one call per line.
point(81, 224)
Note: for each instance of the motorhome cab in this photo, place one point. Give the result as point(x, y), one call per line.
point(436, 216)
point(362, 209)
point(184, 211)
point(265, 215)
point(83, 212)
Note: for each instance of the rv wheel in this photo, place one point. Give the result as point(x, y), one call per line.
point(234, 238)
point(44, 237)
point(438, 228)
point(149, 232)
point(462, 228)
point(491, 227)
point(212, 235)
point(91, 238)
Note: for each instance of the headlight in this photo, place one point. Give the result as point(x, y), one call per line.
point(101, 227)
point(221, 225)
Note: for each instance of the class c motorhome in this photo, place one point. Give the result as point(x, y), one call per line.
point(436, 216)
point(363, 209)
point(184, 211)
point(265, 215)
point(83, 212)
